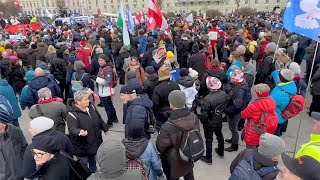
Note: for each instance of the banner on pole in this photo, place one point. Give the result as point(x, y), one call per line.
point(160, 54)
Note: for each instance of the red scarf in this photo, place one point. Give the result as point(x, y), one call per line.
point(45, 101)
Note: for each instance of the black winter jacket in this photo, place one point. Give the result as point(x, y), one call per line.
point(22, 54)
point(212, 108)
point(147, 58)
point(239, 98)
point(90, 121)
point(59, 69)
point(94, 68)
point(32, 57)
point(196, 62)
point(16, 78)
point(218, 73)
point(160, 101)
point(62, 143)
point(264, 71)
point(150, 84)
point(5, 68)
point(183, 48)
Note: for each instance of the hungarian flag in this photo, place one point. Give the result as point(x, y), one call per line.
point(139, 17)
point(17, 4)
point(155, 13)
point(123, 25)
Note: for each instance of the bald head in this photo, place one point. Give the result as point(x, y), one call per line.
point(39, 72)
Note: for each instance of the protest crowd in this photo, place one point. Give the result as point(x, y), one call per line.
point(178, 86)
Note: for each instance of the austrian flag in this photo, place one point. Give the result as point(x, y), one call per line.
point(155, 13)
point(17, 4)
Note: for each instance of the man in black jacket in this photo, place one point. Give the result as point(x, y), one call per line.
point(211, 117)
point(151, 82)
point(197, 61)
point(94, 68)
point(183, 48)
point(161, 106)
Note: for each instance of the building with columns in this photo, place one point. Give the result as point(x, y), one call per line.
point(89, 7)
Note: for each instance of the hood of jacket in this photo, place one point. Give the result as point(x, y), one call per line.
point(124, 54)
point(289, 87)
point(41, 44)
point(186, 81)
point(142, 100)
point(39, 82)
point(153, 77)
point(4, 82)
point(250, 69)
point(178, 117)
point(111, 157)
point(29, 76)
point(135, 148)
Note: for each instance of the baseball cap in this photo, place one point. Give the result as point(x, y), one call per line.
point(315, 116)
point(304, 167)
point(127, 89)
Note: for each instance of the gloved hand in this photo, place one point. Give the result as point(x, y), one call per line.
point(163, 177)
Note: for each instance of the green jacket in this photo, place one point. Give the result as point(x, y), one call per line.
point(312, 148)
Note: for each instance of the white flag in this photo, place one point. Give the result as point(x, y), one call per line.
point(48, 14)
point(190, 18)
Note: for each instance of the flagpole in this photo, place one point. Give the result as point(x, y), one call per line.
point(307, 90)
point(274, 56)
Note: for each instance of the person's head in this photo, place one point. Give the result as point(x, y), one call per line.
point(237, 76)
point(164, 73)
point(239, 40)
point(51, 50)
point(79, 66)
point(213, 83)
point(262, 90)
point(193, 74)
point(44, 148)
point(38, 72)
point(271, 146)
point(234, 56)
point(215, 63)
point(195, 48)
point(295, 68)
point(127, 93)
point(184, 72)
point(300, 168)
point(170, 56)
point(177, 99)
point(44, 93)
point(316, 122)
point(271, 47)
point(135, 132)
point(99, 51)
point(150, 70)
point(4, 117)
point(278, 29)
point(134, 61)
point(285, 75)
point(103, 59)
point(39, 125)
point(78, 46)
point(5, 54)
point(81, 99)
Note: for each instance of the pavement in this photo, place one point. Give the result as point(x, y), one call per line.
point(296, 132)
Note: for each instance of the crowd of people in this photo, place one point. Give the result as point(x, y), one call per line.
point(245, 72)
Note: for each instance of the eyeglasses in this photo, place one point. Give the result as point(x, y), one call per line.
point(38, 155)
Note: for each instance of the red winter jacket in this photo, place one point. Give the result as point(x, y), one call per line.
point(84, 55)
point(253, 113)
point(262, 52)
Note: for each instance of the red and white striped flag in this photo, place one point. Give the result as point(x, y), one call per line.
point(155, 13)
point(139, 17)
point(17, 4)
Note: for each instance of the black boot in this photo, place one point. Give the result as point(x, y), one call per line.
point(220, 154)
point(206, 160)
point(233, 147)
point(229, 140)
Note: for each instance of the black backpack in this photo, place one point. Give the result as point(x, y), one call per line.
point(191, 147)
point(150, 123)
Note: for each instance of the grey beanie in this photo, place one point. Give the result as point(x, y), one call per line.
point(177, 98)
point(41, 124)
point(272, 47)
point(271, 145)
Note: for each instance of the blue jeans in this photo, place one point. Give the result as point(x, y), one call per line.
point(108, 106)
point(90, 161)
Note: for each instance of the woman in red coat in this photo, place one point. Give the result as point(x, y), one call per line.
point(261, 117)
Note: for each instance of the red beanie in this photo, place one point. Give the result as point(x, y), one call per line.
point(264, 94)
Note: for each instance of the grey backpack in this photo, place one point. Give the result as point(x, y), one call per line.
point(245, 170)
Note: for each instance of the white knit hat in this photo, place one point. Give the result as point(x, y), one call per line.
point(193, 73)
point(41, 124)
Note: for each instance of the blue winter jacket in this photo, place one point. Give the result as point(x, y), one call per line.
point(142, 45)
point(7, 91)
point(281, 98)
point(40, 82)
point(24, 93)
point(152, 162)
point(137, 113)
point(235, 65)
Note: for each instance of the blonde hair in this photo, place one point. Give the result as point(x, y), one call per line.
point(51, 50)
point(262, 88)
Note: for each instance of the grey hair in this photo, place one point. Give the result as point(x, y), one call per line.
point(99, 50)
point(78, 96)
point(287, 74)
point(44, 93)
point(261, 88)
point(79, 65)
point(295, 68)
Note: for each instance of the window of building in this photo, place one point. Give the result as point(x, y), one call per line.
point(267, 1)
point(278, 1)
point(256, 1)
point(112, 7)
point(143, 6)
point(126, 1)
point(43, 12)
point(246, 2)
point(105, 1)
point(168, 5)
point(112, 1)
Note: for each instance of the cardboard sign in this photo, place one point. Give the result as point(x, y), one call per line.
point(160, 54)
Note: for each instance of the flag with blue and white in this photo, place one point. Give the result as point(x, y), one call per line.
point(72, 19)
point(130, 19)
point(302, 17)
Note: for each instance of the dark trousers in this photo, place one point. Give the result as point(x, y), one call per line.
point(64, 89)
point(90, 161)
point(183, 61)
point(186, 177)
point(279, 130)
point(208, 134)
point(315, 104)
point(299, 55)
point(233, 121)
point(108, 106)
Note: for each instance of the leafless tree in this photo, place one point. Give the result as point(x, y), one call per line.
point(213, 13)
point(160, 2)
point(246, 11)
point(61, 4)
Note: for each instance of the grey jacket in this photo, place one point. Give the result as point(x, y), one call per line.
point(56, 111)
point(109, 152)
point(12, 145)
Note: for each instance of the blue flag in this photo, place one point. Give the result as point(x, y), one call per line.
point(72, 19)
point(130, 19)
point(45, 23)
point(302, 17)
